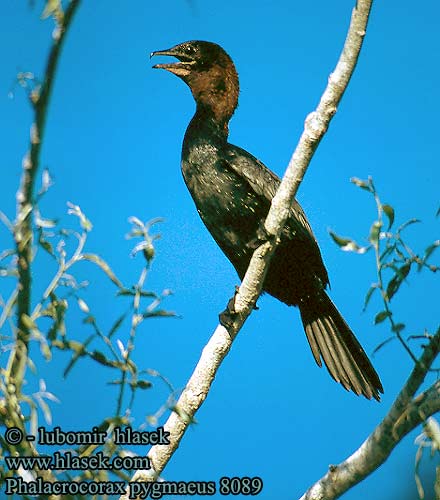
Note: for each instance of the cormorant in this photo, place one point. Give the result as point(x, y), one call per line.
point(233, 190)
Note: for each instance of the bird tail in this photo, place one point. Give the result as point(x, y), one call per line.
point(331, 339)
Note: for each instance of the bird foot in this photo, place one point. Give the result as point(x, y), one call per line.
point(226, 317)
point(261, 237)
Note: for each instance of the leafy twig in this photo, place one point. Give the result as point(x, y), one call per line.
point(23, 226)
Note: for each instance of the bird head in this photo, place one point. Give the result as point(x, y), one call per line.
point(209, 72)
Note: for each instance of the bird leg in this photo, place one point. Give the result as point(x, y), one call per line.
point(261, 236)
point(226, 317)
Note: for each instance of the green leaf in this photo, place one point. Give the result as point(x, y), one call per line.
point(45, 351)
point(103, 360)
point(389, 212)
point(83, 306)
point(339, 240)
point(385, 342)
point(31, 366)
point(24, 212)
point(28, 322)
point(431, 429)
point(382, 316)
point(7, 271)
point(362, 184)
point(132, 293)
point(430, 250)
point(46, 182)
point(347, 244)
point(44, 346)
point(62, 346)
point(368, 295)
point(57, 311)
point(7, 253)
point(404, 270)
point(46, 410)
point(83, 220)
point(152, 420)
point(137, 222)
point(388, 250)
point(77, 347)
point(96, 259)
point(393, 286)
point(147, 249)
point(407, 223)
point(37, 335)
point(136, 320)
point(79, 351)
point(52, 6)
point(375, 232)
point(130, 364)
point(399, 253)
point(6, 222)
point(116, 325)
point(43, 223)
point(100, 358)
point(144, 384)
point(114, 382)
point(149, 224)
point(45, 245)
point(159, 312)
point(397, 328)
point(141, 384)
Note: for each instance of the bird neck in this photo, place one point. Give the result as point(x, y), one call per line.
point(216, 94)
point(205, 123)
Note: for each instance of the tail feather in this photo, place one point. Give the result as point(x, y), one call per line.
point(332, 341)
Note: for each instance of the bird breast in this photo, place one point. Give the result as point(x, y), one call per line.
point(228, 207)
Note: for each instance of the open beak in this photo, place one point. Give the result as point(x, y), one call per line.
point(180, 68)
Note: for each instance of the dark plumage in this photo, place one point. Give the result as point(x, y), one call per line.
point(232, 191)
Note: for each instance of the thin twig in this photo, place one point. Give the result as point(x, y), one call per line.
point(218, 346)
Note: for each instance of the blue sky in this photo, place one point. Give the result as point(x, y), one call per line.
point(113, 142)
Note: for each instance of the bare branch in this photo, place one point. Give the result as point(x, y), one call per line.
point(214, 352)
point(405, 414)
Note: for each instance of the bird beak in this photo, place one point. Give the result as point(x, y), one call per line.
point(181, 68)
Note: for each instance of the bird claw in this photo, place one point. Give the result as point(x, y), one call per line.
point(261, 237)
point(226, 317)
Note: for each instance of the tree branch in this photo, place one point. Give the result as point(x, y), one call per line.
point(405, 414)
point(218, 346)
point(23, 235)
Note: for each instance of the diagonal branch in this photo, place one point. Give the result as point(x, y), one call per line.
point(23, 225)
point(405, 415)
point(220, 343)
